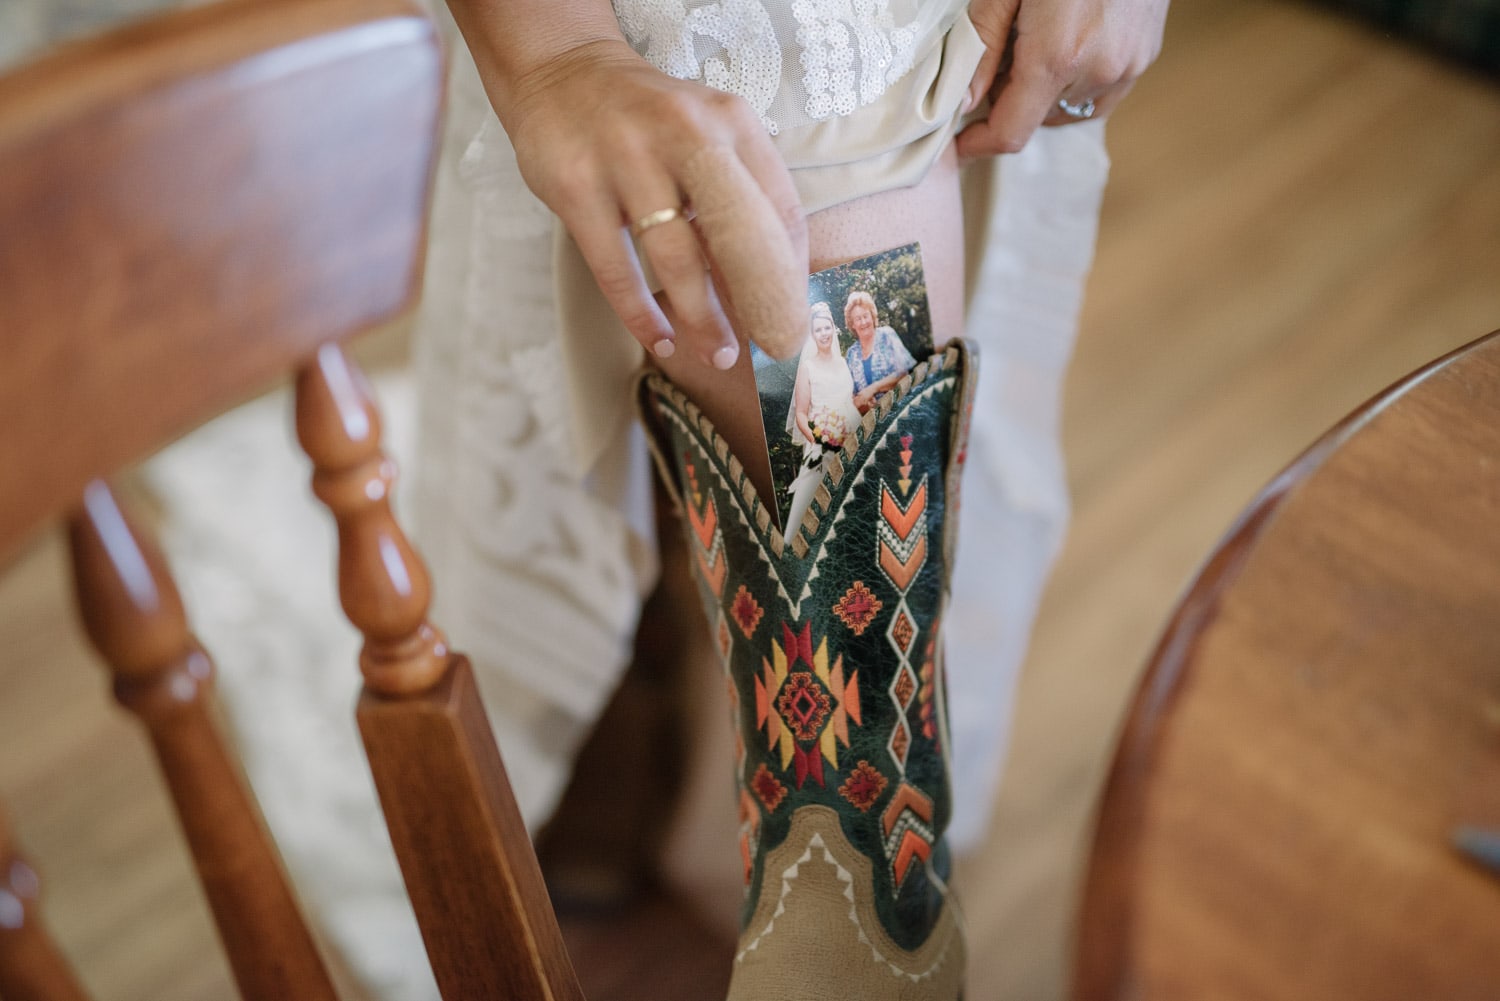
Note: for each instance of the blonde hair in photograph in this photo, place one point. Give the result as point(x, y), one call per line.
point(858, 299)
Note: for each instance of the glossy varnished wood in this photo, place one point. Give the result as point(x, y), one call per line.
point(254, 182)
point(1298, 213)
point(464, 851)
point(133, 614)
point(31, 966)
point(189, 207)
point(1321, 714)
point(383, 584)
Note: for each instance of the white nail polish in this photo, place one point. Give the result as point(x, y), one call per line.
point(725, 357)
point(664, 348)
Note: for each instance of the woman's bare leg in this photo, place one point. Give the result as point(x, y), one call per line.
point(929, 214)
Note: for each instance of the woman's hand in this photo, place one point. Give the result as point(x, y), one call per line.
point(605, 139)
point(1042, 52)
point(865, 399)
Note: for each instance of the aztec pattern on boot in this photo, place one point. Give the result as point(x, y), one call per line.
point(834, 661)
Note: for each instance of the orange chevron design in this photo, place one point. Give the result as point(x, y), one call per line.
point(767, 684)
point(775, 732)
point(851, 698)
point(704, 525)
point(766, 714)
point(913, 846)
point(901, 572)
point(908, 797)
point(902, 521)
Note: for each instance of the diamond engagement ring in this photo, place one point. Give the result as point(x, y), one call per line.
point(1081, 110)
point(657, 218)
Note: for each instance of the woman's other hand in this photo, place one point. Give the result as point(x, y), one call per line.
point(607, 140)
point(1087, 53)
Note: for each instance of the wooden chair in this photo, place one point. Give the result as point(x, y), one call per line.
point(190, 208)
point(1321, 715)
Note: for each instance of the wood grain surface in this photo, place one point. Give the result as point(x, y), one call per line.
point(1299, 212)
point(253, 186)
point(464, 852)
point(1321, 715)
point(189, 208)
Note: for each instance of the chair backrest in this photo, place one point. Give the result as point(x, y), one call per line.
point(1321, 715)
point(189, 209)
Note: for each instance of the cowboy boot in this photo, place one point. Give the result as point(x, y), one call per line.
point(830, 637)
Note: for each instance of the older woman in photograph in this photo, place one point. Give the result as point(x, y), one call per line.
point(823, 410)
point(878, 360)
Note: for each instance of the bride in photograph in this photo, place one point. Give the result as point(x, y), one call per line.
point(822, 412)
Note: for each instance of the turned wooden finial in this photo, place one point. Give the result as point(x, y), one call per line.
point(383, 584)
point(131, 609)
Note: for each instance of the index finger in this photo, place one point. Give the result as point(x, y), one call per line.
point(770, 173)
point(609, 254)
point(746, 237)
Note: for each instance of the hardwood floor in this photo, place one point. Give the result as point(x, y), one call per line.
point(1300, 213)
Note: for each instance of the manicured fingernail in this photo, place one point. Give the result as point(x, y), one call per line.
point(725, 357)
point(664, 348)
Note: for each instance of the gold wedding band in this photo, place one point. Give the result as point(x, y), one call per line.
point(657, 218)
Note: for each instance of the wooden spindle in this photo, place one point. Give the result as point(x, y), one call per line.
point(133, 614)
point(31, 967)
point(383, 584)
point(467, 860)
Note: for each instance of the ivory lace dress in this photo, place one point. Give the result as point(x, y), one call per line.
point(533, 500)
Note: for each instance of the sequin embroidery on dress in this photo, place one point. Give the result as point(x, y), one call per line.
point(848, 51)
point(665, 32)
point(824, 28)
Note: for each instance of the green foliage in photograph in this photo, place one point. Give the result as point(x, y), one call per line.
point(895, 280)
point(775, 381)
point(786, 462)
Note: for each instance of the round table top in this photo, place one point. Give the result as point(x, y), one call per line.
point(1321, 717)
